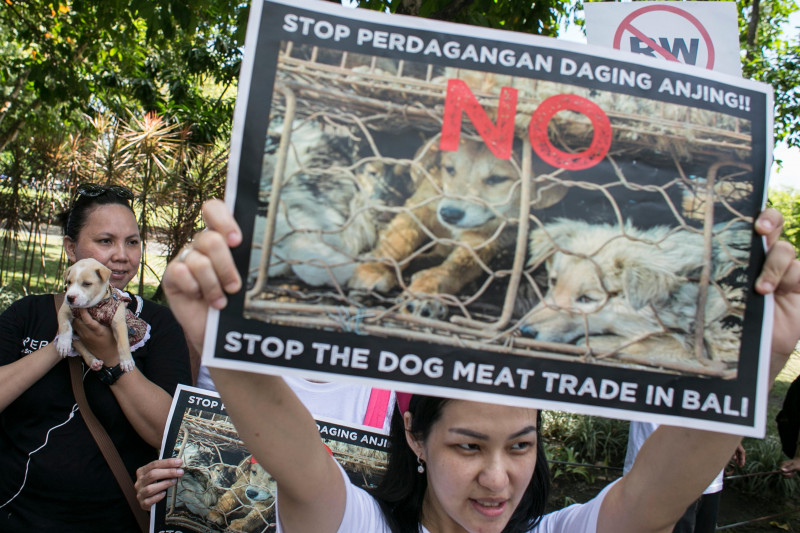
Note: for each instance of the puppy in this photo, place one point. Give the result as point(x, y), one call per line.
point(247, 505)
point(637, 284)
point(88, 288)
point(466, 202)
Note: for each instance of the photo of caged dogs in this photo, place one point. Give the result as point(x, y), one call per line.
point(224, 488)
point(367, 225)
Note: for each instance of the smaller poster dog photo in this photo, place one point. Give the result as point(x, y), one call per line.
point(473, 213)
point(223, 487)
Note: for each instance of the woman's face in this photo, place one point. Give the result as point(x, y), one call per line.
point(479, 461)
point(111, 236)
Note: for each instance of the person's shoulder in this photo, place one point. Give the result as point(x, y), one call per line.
point(578, 517)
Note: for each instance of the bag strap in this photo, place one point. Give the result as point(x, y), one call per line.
point(103, 440)
point(104, 443)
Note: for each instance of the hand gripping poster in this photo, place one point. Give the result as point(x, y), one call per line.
point(471, 213)
point(223, 487)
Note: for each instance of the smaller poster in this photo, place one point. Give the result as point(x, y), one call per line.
point(702, 34)
point(223, 487)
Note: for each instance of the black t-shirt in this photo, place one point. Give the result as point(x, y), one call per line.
point(53, 477)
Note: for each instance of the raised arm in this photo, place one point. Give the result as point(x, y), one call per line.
point(676, 464)
point(276, 427)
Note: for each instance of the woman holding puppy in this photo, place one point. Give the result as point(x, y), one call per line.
point(455, 466)
point(54, 477)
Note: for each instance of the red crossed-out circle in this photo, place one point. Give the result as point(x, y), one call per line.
point(626, 25)
point(537, 132)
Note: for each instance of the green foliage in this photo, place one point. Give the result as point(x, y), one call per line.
point(580, 439)
point(540, 18)
point(8, 295)
point(788, 203)
point(61, 60)
point(771, 58)
point(764, 456)
point(169, 174)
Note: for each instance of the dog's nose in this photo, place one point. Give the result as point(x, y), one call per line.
point(71, 299)
point(529, 330)
point(450, 215)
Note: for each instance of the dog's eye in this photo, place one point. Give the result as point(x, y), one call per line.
point(585, 299)
point(450, 169)
point(496, 180)
point(87, 284)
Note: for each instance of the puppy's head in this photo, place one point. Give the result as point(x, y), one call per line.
point(86, 282)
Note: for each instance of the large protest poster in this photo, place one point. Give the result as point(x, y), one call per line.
point(450, 210)
point(223, 487)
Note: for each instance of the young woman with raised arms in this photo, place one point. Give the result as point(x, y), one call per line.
point(456, 466)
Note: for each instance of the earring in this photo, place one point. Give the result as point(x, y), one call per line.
point(421, 467)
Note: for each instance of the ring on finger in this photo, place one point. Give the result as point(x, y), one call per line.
point(184, 253)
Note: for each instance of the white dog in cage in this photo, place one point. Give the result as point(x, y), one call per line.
point(637, 284)
point(330, 205)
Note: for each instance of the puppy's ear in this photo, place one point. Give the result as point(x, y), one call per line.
point(540, 247)
point(104, 273)
point(66, 274)
point(547, 193)
point(426, 160)
point(545, 241)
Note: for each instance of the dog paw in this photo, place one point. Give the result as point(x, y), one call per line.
point(64, 344)
point(216, 518)
point(372, 277)
point(426, 308)
point(97, 364)
point(127, 365)
point(431, 281)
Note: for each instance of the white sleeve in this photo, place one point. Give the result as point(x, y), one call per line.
point(361, 511)
point(577, 518)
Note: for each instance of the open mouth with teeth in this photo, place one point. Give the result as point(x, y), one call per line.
point(489, 508)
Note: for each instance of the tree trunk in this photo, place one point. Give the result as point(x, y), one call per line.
point(752, 28)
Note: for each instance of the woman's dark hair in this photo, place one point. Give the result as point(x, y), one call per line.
point(90, 196)
point(402, 490)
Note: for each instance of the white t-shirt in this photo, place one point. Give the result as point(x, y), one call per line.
point(363, 514)
point(339, 401)
point(637, 434)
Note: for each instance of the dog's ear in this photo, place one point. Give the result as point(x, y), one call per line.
point(644, 285)
point(542, 244)
point(557, 235)
point(66, 274)
point(426, 161)
point(104, 273)
point(547, 193)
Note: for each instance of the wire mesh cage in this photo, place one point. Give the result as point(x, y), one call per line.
point(223, 488)
point(366, 226)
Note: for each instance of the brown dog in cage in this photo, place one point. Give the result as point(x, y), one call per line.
point(626, 283)
point(464, 209)
point(248, 505)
